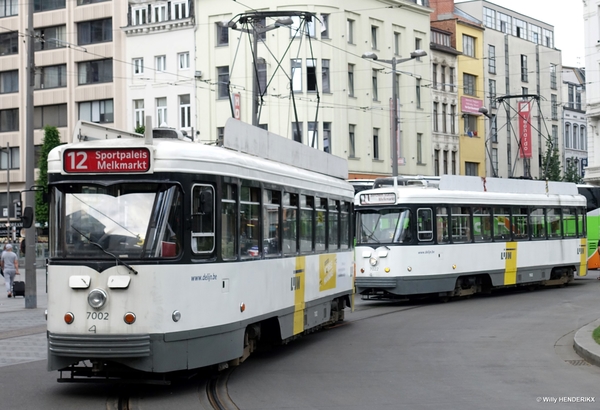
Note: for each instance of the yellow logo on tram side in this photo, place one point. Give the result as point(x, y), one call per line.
point(510, 263)
point(327, 272)
point(298, 289)
point(583, 260)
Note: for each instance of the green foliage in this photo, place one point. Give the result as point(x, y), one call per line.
point(596, 335)
point(551, 162)
point(51, 140)
point(572, 172)
point(140, 129)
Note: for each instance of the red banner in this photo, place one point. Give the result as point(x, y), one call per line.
point(106, 160)
point(525, 129)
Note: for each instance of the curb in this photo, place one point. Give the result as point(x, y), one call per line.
point(585, 345)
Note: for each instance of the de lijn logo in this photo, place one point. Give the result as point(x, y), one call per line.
point(507, 254)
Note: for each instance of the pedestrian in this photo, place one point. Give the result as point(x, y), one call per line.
point(10, 266)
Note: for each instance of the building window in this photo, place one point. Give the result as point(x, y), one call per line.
point(50, 77)
point(313, 134)
point(159, 13)
point(505, 23)
point(445, 162)
point(9, 43)
point(575, 136)
point(9, 120)
point(9, 8)
point(180, 10)
point(374, 85)
point(568, 135)
point(434, 75)
point(45, 5)
point(489, 18)
point(351, 80)
point(418, 43)
point(160, 63)
point(261, 70)
point(495, 161)
point(396, 43)
point(435, 117)
point(100, 111)
point(15, 162)
point(451, 75)
point(324, 25)
point(553, 76)
point(374, 30)
point(375, 143)
point(524, 75)
point(444, 114)
point(223, 82)
point(520, 28)
point(468, 45)
point(327, 137)
point(524, 91)
point(578, 98)
point(554, 105)
point(49, 38)
point(469, 82)
point(555, 135)
point(297, 131)
point(94, 31)
point(138, 66)
point(222, 34)
point(350, 31)
point(453, 119)
point(98, 71)
point(139, 16)
point(84, 2)
point(54, 115)
point(418, 92)
point(492, 59)
point(185, 111)
point(351, 141)
point(443, 77)
point(535, 33)
point(470, 125)
point(493, 103)
point(471, 168)
point(296, 74)
point(583, 144)
point(9, 81)
point(325, 76)
point(454, 163)
point(419, 149)
point(494, 129)
point(436, 162)
point(161, 111)
point(138, 113)
point(311, 75)
point(184, 60)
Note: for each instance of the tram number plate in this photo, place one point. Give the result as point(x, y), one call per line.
point(97, 315)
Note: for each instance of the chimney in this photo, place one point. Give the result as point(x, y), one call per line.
point(441, 7)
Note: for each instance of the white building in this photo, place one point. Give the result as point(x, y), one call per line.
point(520, 60)
point(574, 121)
point(591, 15)
point(341, 102)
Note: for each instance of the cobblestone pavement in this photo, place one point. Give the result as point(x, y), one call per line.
point(23, 330)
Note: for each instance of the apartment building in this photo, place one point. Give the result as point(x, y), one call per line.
point(591, 16)
point(573, 119)
point(522, 79)
point(310, 81)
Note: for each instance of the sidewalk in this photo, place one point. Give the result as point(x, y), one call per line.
point(585, 345)
point(23, 330)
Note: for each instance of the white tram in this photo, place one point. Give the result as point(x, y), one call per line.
point(167, 255)
point(468, 235)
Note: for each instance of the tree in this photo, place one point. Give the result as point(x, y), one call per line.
point(572, 172)
point(551, 162)
point(51, 140)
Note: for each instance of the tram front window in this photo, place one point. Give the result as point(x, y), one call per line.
point(125, 220)
point(383, 226)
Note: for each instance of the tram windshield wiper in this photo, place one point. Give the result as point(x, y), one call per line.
point(119, 260)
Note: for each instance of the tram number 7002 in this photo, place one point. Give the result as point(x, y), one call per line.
point(97, 315)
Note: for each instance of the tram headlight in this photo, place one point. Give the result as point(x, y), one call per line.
point(97, 298)
point(373, 261)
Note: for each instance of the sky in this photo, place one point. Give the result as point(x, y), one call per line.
point(567, 18)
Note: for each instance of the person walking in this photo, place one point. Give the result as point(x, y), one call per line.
point(10, 266)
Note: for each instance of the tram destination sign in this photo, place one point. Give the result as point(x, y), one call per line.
point(106, 160)
point(377, 199)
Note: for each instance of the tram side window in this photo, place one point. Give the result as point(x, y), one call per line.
point(482, 224)
point(344, 225)
point(306, 223)
point(229, 222)
point(271, 206)
point(569, 222)
point(424, 224)
point(203, 221)
point(250, 222)
point(553, 221)
point(581, 224)
point(502, 224)
point(537, 222)
point(290, 221)
point(519, 223)
point(334, 239)
point(460, 219)
point(442, 225)
point(321, 224)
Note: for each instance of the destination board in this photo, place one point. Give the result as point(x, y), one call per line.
point(106, 160)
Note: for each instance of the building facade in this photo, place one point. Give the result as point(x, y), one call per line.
point(591, 15)
point(574, 121)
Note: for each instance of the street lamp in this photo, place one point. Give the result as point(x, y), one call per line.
point(395, 132)
point(492, 118)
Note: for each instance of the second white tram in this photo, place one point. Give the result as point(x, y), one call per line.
point(468, 235)
point(167, 255)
